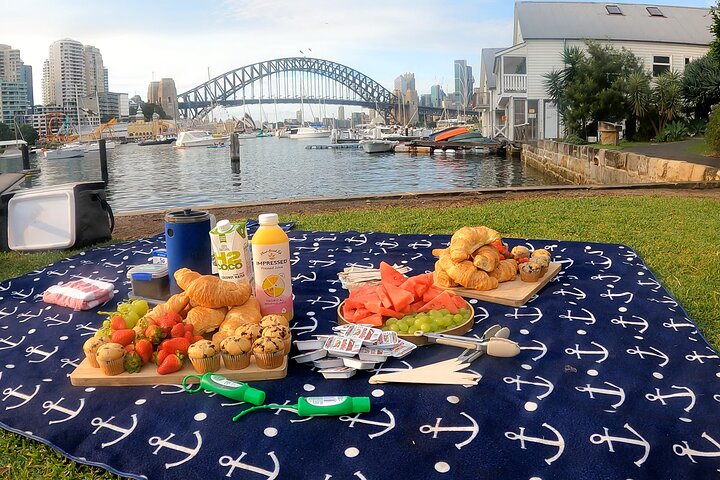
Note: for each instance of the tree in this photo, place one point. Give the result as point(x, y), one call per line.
point(6, 132)
point(701, 85)
point(715, 29)
point(657, 102)
point(592, 86)
point(29, 134)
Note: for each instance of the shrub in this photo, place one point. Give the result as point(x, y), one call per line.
point(712, 133)
point(574, 140)
point(674, 132)
point(697, 126)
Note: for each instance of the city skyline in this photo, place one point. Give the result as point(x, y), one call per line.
point(188, 41)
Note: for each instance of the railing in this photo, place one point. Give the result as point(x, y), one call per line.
point(515, 83)
point(482, 99)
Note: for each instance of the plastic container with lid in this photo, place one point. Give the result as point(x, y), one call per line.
point(150, 281)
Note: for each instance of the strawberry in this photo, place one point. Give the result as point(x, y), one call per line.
point(129, 348)
point(169, 319)
point(189, 337)
point(178, 330)
point(117, 323)
point(155, 334)
point(132, 362)
point(197, 338)
point(175, 345)
point(189, 327)
point(171, 363)
point(124, 337)
point(145, 349)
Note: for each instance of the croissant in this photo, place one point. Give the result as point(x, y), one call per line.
point(209, 291)
point(205, 319)
point(176, 303)
point(468, 239)
point(442, 279)
point(249, 312)
point(486, 258)
point(505, 271)
point(184, 276)
point(439, 252)
point(467, 275)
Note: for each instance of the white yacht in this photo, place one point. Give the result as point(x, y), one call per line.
point(11, 148)
point(377, 146)
point(199, 138)
point(70, 150)
point(95, 146)
point(310, 132)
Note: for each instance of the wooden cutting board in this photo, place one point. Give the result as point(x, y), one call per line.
point(86, 376)
point(513, 294)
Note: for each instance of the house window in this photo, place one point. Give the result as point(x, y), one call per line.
point(613, 10)
point(660, 65)
point(688, 60)
point(655, 12)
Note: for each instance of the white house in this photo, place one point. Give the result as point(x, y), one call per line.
point(662, 37)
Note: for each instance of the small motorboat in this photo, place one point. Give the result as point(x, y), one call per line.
point(378, 146)
point(157, 141)
point(70, 150)
point(217, 145)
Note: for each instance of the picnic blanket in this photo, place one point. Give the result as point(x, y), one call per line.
point(613, 381)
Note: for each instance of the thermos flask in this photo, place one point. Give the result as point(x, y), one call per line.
point(188, 243)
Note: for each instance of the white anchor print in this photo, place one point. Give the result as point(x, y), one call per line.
point(675, 326)
point(4, 313)
point(696, 357)
point(299, 238)
point(603, 277)
point(69, 414)
point(686, 392)
point(328, 303)
point(481, 314)
point(686, 451)
point(6, 287)
point(650, 282)
point(665, 301)
point(616, 391)
point(161, 443)
point(389, 425)
point(535, 316)
point(294, 259)
point(549, 387)
point(360, 265)
point(321, 263)
point(21, 295)
point(302, 278)
point(579, 353)
point(309, 249)
point(73, 363)
point(574, 292)
point(100, 423)
point(14, 392)
point(89, 329)
point(54, 321)
point(611, 296)
point(305, 329)
point(36, 351)
point(227, 461)
point(605, 264)
point(6, 341)
point(559, 442)
point(331, 238)
point(642, 322)
point(656, 353)
point(28, 315)
point(470, 370)
point(112, 265)
point(589, 319)
point(473, 428)
point(598, 439)
point(381, 368)
point(389, 244)
point(359, 241)
point(542, 348)
point(424, 244)
point(564, 262)
point(178, 389)
point(55, 273)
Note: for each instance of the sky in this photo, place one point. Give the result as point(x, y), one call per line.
point(145, 40)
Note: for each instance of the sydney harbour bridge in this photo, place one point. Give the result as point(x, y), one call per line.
point(294, 80)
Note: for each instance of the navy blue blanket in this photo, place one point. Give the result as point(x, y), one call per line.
point(614, 381)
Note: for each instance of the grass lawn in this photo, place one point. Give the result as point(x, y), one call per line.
point(699, 147)
point(623, 145)
point(679, 239)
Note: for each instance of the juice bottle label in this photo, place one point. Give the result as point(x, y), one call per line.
point(273, 280)
point(231, 254)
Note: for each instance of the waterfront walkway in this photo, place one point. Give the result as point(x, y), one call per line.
point(675, 151)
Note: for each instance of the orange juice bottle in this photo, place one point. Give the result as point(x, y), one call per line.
point(271, 265)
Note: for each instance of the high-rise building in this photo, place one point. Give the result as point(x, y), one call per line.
point(164, 93)
point(436, 95)
point(13, 101)
point(426, 100)
point(341, 112)
point(106, 80)
point(10, 64)
point(94, 70)
point(65, 80)
point(26, 76)
point(464, 82)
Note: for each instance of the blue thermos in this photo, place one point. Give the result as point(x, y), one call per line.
point(187, 241)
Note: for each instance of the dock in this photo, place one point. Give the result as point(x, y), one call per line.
point(333, 146)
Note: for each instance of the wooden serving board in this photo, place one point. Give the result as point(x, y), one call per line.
point(421, 339)
point(513, 294)
point(86, 376)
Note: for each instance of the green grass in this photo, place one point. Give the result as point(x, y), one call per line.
point(622, 146)
point(679, 239)
point(699, 147)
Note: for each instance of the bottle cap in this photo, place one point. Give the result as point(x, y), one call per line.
point(360, 404)
point(223, 226)
point(268, 219)
point(254, 396)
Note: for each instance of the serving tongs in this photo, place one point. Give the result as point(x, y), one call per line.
point(494, 342)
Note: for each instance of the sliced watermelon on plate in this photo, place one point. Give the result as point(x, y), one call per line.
point(390, 276)
point(444, 300)
point(400, 298)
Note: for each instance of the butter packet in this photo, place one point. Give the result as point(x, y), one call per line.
point(342, 346)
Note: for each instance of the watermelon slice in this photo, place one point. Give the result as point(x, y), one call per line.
point(460, 302)
point(400, 298)
point(384, 299)
point(414, 307)
point(363, 291)
point(431, 293)
point(444, 300)
point(375, 319)
point(390, 276)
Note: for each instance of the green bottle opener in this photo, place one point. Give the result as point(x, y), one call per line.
point(213, 382)
point(318, 406)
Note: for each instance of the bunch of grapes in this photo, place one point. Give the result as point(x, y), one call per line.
point(131, 311)
point(432, 321)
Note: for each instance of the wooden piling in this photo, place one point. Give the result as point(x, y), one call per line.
point(103, 161)
point(25, 157)
point(234, 148)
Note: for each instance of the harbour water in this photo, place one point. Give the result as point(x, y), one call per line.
point(163, 177)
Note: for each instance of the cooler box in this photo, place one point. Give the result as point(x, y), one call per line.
point(58, 217)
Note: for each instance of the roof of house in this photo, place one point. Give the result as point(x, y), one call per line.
point(487, 60)
point(574, 20)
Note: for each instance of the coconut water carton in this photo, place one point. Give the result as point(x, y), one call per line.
point(231, 251)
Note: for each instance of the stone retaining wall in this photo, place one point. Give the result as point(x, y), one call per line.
point(584, 165)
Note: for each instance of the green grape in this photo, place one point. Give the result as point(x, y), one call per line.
point(444, 322)
point(140, 307)
point(402, 325)
point(426, 327)
point(131, 319)
point(384, 328)
point(457, 318)
point(123, 308)
point(419, 321)
point(444, 311)
point(106, 324)
point(394, 327)
point(391, 321)
point(464, 311)
point(434, 313)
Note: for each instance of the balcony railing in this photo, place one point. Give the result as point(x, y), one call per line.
point(515, 83)
point(482, 99)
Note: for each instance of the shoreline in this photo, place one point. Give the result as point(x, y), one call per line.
point(140, 224)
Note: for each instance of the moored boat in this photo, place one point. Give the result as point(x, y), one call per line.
point(377, 146)
point(70, 150)
point(199, 138)
point(157, 141)
point(310, 132)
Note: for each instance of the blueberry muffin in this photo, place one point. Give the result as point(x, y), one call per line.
point(110, 358)
point(542, 261)
point(279, 331)
point(541, 252)
point(204, 356)
point(269, 352)
point(520, 252)
point(250, 331)
point(530, 272)
point(236, 352)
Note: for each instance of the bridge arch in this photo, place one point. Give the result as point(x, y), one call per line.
point(223, 89)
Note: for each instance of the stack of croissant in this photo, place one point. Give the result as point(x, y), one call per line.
point(209, 304)
point(472, 262)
